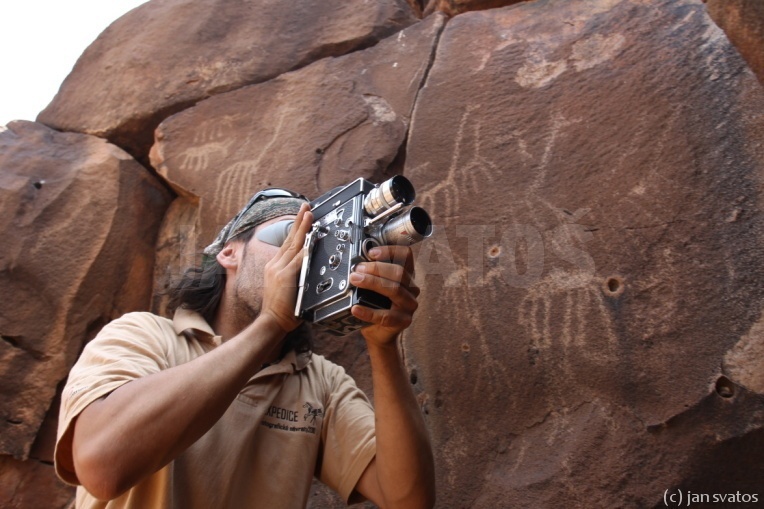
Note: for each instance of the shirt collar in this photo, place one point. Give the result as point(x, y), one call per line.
point(291, 363)
point(186, 322)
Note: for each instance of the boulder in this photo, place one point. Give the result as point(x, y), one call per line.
point(454, 7)
point(166, 55)
point(31, 484)
point(309, 130)
point(743, 21)
point(592, 294)
point(79, 220)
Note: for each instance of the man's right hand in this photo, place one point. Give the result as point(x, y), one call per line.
point(282, 272)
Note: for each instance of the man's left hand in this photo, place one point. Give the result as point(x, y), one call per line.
point(390, 273)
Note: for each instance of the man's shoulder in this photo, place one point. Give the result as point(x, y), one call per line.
point(137, 327)
point(327, 370)
point(143, 317)
point(146, 335)
point(321, 363)
point(143, 320)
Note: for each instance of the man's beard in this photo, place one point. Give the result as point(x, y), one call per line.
point(246, 306)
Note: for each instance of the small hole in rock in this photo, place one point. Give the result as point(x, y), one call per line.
point(613, 286)
point(725, 387)
point(413, 377)
point(465, 347)
point(494, 251)
point(38, 184)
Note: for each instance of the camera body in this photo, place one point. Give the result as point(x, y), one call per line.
point(348, 222)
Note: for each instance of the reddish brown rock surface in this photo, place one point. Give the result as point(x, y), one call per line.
point(595, 169)
point(166, 55)
point(590, 331)
point(79, 221)
point(30, 484)
point(308, 130)
point(454, 7)
point(743, 21)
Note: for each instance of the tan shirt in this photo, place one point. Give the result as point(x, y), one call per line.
point(301, 417)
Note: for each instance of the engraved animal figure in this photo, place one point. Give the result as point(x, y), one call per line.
point(567, 304)
point(557, 305)
point(463, 174)
point(197, 158)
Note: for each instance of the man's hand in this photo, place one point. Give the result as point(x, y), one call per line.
point(281, 273)
point(391, 273)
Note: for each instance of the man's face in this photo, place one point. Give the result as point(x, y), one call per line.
point(249, 280)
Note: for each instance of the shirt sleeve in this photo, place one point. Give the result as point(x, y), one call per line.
point(128, 348)
point(348, 437)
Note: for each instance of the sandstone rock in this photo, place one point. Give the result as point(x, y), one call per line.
point(31, 484)
point(176, 248)
point(417, 6)
point(309, 130)
point(168, 54)
point(594, 170)
point(79, 219)
point(743, 21)
point(454, 7)
point(744, 363)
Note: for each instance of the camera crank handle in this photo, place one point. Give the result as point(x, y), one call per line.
point(307, 251)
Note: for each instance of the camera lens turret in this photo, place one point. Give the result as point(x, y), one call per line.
point(406, 229)
point(388, 194)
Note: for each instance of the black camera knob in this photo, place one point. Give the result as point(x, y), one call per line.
point(335, 260)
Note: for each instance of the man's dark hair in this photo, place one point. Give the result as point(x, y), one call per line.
point(200, 289)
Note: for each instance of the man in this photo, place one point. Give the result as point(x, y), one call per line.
point(224, 406)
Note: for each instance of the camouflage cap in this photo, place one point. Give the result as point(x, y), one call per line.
point(259, 209)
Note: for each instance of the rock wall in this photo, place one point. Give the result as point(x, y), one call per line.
point(79, 219)
point(743, 21)
point(590, 331)
point(186, 50)
point(596, 171)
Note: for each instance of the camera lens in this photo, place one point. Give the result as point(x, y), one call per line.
point(388, 194)
point(406, 229)
point(420, 220)
point(402, 189)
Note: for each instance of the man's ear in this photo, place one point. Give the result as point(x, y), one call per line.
point(229, 256)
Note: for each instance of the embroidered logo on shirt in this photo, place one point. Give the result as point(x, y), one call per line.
point(312, 413)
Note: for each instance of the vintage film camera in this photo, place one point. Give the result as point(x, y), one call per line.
point(348, 222)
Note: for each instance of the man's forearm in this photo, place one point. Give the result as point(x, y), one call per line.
point(146, 423)
point(404, 461)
